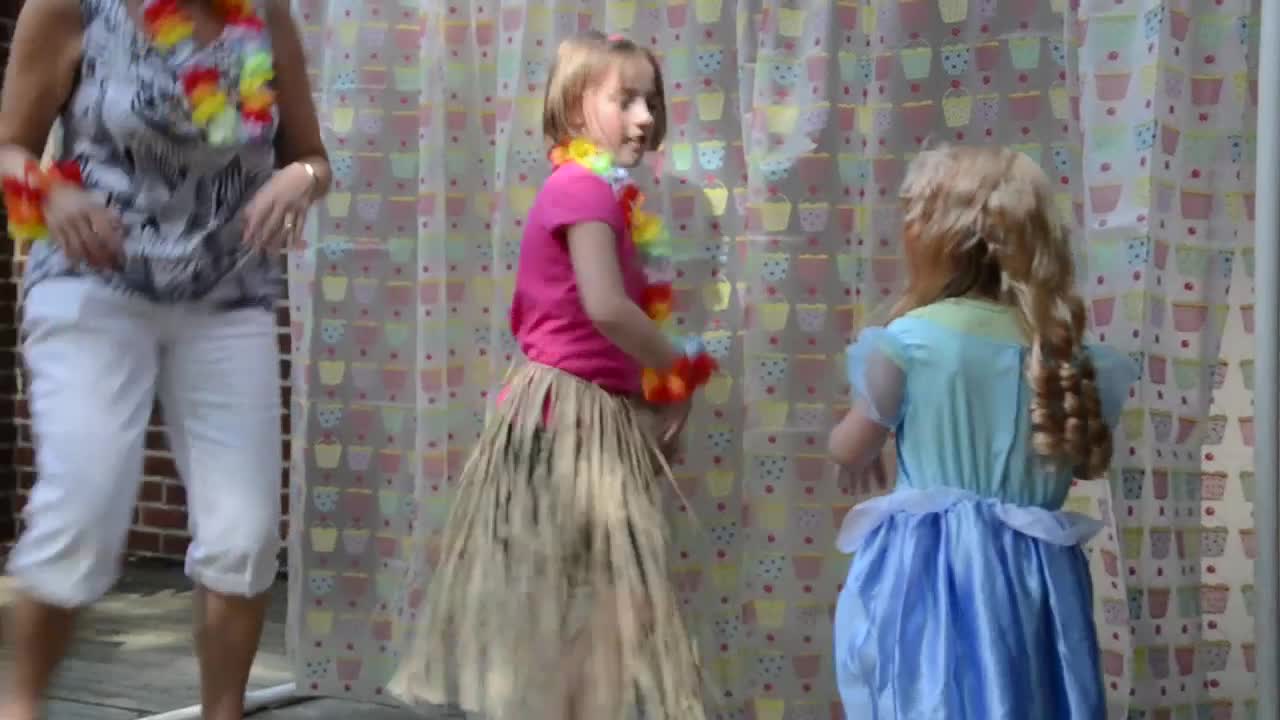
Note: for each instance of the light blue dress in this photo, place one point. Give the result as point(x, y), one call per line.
point(968, 597)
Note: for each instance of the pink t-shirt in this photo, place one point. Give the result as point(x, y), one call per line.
point(547, 315)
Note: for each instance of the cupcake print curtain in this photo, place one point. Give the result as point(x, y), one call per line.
point(1167, 102)
point(791, 124)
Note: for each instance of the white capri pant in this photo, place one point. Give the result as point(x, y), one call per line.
point(96, 358)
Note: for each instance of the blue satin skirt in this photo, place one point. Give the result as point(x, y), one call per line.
point(963, 608)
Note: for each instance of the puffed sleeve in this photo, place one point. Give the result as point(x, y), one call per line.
point(877, 364)
point(573, 195)
point(1116, 372)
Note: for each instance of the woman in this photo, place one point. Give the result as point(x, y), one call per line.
point(192, 128)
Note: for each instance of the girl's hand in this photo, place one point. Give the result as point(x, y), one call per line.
point(877, 475)
point(88, 232)
point(672, 450)
point(274, 217)
point(872, 480)
point(671, 422)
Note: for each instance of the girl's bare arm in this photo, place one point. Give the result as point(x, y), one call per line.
point(857, 440)
point(616, 316)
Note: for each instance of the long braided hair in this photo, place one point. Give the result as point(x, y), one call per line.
point(979, 221)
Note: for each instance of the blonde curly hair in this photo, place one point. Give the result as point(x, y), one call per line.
point(979, 221)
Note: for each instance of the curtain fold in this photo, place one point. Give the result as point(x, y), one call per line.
point(791, 123)
point(1168, 102)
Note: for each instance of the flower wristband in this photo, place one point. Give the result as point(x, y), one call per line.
point(24, 197)
point(677, 383)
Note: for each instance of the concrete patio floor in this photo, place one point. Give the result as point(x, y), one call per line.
point(132, 657)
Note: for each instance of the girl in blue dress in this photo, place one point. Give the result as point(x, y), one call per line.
point(969, 597)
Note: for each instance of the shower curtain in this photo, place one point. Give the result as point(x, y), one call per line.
point(1168, 95)
point(791, 123)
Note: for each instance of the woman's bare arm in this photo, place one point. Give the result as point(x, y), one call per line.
point(299, 137)
point(43, 59)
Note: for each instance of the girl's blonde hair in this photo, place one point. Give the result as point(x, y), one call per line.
point(582, 60)
point(980, 221)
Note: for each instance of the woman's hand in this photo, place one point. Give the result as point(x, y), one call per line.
point(87, 232)
point(285, 199)
point(274, 217)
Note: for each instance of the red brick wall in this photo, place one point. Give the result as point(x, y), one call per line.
point(8, 349)
point(160, 521)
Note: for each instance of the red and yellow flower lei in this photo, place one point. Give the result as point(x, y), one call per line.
point(695, 368)
point(213, 110)
point(24, 198)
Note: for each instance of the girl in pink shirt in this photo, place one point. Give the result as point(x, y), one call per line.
point(551, 598)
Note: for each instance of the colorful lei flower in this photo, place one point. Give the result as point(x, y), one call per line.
point(222, 116)
point(166, 23)
point(24, 197)
point(674, 384)
point(678, 383)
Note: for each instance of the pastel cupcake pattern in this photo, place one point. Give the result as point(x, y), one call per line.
point(790, 129)
point(1167, 98)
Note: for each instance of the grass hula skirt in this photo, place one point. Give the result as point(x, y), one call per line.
point(555, 548)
